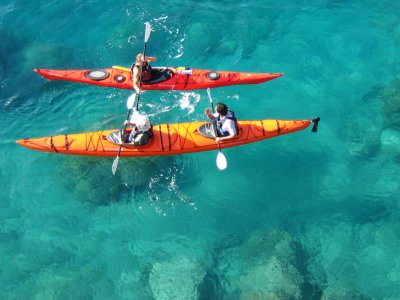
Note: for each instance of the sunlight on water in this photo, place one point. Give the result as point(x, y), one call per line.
point(189, 101)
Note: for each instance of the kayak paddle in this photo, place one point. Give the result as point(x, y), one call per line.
point(146, 38)
point(131, 99)
point(222, 163)
point(129, 105)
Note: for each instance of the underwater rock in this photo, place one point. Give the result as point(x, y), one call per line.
point(8, 50)
point(336, 183)
point(390, 140)
point(91, 180)
point(167, 272)
point(342, 293)
point(131, 285)
point(52, 54)
point(362, 137)
point(389, 100)
point(350, 260)
point(229, 47)
point(262, 244)
point(52, 284)
point(203, 36)
point(379, 271)
point(263, 267)
point(210, 288)
point(175, 279)
point(274, 277)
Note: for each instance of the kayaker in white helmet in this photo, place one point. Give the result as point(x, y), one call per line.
point(141, 129)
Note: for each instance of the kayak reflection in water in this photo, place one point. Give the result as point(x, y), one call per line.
point(225, 122)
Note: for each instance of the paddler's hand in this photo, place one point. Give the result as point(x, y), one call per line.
point(209, 114)
point(225, 138)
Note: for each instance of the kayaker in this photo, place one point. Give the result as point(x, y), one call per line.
point(141, 63)
point(225, 122)
point(141, 129)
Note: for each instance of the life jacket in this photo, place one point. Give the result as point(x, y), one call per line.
point(142, 132)
point(139, 138)
point(231, 116)
point(146, 70)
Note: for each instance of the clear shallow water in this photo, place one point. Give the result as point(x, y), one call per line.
point(303, 216)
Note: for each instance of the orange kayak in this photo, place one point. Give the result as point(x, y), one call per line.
point(180, 78)
point(168, 139)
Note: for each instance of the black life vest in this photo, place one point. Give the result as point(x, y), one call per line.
point(146, 70)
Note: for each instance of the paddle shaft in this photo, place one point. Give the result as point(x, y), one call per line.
point(216, 134)
point(138, 98)
point(122, 133)
point(214, 121)
point(141, 76)
point(140, 89)
point(146, 37)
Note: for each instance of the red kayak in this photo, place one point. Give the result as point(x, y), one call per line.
point(164, 78)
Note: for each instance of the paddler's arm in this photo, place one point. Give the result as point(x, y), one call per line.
point(135, 79)
point(224, 138)
point(150, 58)
point(209, 114)
point(232, 135)
point(129, 123)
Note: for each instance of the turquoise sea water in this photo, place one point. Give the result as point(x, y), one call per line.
point(302, 216)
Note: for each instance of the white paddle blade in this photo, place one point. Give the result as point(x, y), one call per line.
point(131, 101)
point(221, 161)
point(115, 165)
point(147, 32)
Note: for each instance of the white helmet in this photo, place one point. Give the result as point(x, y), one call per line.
point(142, 121)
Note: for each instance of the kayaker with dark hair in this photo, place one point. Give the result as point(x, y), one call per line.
point(141, 64)
point(225, 122)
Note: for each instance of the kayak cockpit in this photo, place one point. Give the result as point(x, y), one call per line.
point(159, 74)
point(207, 130)
point(139, 139)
